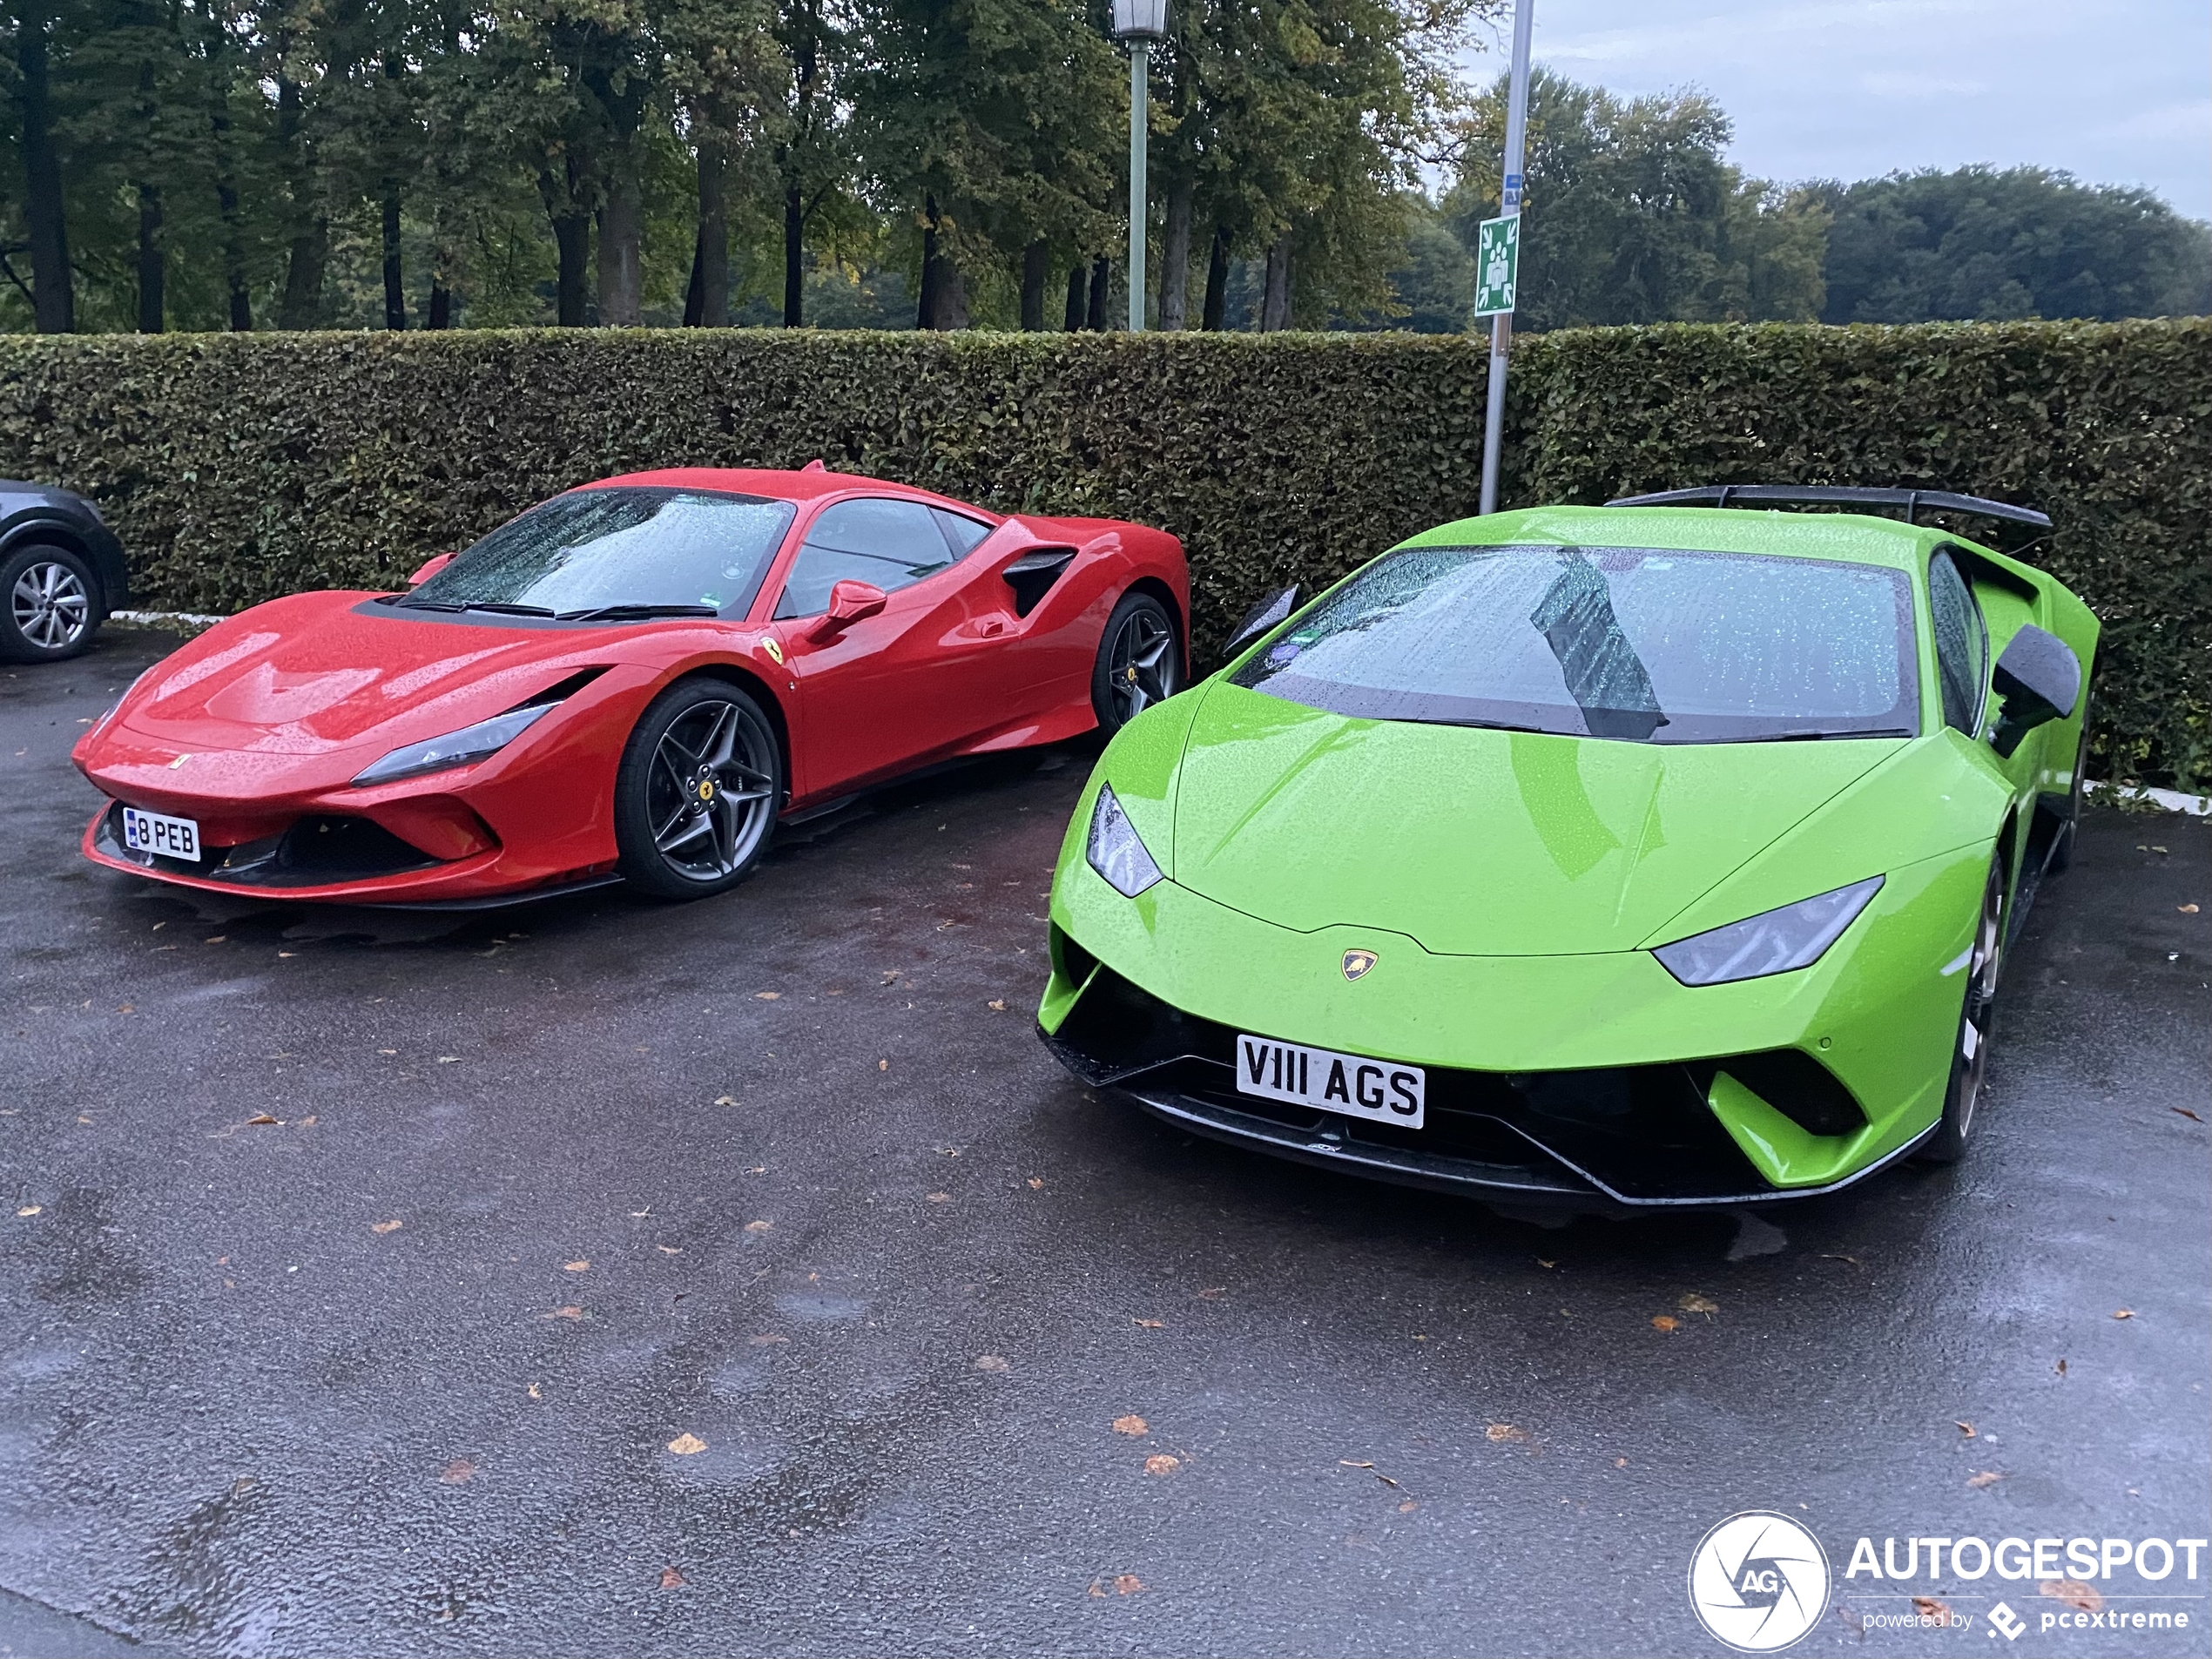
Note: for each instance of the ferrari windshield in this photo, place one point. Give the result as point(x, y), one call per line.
point(629, 548)
point(1638, 643)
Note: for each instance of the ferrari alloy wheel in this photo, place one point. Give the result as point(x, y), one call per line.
point(1139, 662)
point(50, 609)
point(698, 790)
point(1970, 1060)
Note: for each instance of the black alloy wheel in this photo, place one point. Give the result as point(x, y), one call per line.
point(1970, 1057)
point(1140, 662)
point(49, 605)
point(697, 794)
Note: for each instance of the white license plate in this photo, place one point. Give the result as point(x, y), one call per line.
point(174, 838)
point(1384, 1090)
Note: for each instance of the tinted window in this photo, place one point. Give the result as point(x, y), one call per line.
point(1961, 643)
point(965, 534)
point(890, 543)
point(1639, 644)
point(619, 546)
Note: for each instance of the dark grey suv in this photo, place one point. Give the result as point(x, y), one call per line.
point(61, 572)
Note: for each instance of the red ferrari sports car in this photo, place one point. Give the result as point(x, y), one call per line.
point(632, 681)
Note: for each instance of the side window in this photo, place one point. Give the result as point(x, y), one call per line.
point(965, 534)
point(1961, 643)
point(891, 543)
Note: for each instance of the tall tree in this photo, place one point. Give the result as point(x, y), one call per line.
point(53, 282)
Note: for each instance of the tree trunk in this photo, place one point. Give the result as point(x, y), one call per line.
point(925, 302)
point(1217, 283)
point(241, 296)
point(621, 229)
point(1102, 277)
point(571, 242)
point(711, 259)
point(395, 281)
point(1275, 302)
point(152, 300)
point(1078, 287)
point(53, 288)
point(794, 255)
point(309, 254)
point(944, 292)
point(441, 305)
point(1175, 255)
point(1036, 271)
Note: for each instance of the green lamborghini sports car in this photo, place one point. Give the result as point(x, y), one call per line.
point(1663, 853)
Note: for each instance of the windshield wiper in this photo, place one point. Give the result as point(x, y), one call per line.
point(508, 610)
point(399, 601)
point(1822, 737)
point(634, 612)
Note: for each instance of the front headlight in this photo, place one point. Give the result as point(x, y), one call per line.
point(1774, 942)
point(471, 744)
point(1115, 851)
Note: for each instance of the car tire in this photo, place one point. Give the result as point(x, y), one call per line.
point(1970, 1053)
point(1140, 662)
point(697, 793)
point(51, 604)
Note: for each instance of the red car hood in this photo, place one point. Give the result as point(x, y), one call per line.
point(317, 673)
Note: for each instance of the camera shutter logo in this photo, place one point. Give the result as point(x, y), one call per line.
point(1758, 1581)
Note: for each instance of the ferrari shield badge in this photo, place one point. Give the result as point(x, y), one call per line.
point(1357, 962)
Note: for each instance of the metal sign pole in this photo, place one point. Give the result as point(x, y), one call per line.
point(1508, 207)
point(1140, 77)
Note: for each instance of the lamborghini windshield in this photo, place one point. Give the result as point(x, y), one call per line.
point(1637, 644)
point(625, 550)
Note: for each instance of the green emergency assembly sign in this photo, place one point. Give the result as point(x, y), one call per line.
point(1497, 263)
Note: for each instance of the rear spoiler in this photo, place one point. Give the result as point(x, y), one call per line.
point(1913, 500)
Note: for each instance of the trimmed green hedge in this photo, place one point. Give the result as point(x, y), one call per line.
point(239, 466)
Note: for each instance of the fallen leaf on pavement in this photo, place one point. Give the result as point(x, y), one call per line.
point(1348, 1463)
point(2123, 1313)
point(1499, 1431)
point(533, 1393)
point(391, 1226)
point(1696, 1304)
point(448, 1059)
point(564, 1313)
point(1127, 1583)
point(671, 1579)
point(31, 1210)
point(2061, 1368)
point(1620, 1463)
point(1826, 1256)
point(2186, 909)
point(1152, 1325)
point(457, 1472)
point(1965, 1427)
point(997, 1005)
point(575, 1267)
point(1540, 1262)
point(1665, 1322)
point(939, 1198)
point(2187, 1113)
point(1987, 1478)
point(883, 1065)
point(1036, 1183)
point(1130, 1423)
point(991, 1362)
point(1160, 1463)
point(760, 1226)
point(262, 1118)
point(1408, 1507)
point(1212, 1291)
point(687, 1445)
point(670, 1249)
point(2072, 1592)
point(767, 996)
point(1928, 1608)
point(725, 1100)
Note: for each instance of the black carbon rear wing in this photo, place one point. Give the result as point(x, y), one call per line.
point(1914, 502)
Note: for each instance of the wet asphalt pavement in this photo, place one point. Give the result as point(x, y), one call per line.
point(787, 1173)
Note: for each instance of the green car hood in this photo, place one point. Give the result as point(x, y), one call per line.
point(1477, 841)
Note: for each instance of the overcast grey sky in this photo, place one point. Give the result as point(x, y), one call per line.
point(2114, 91)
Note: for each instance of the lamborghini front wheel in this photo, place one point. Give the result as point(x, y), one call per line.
point(1969, 1056)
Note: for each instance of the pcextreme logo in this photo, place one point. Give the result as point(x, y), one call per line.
point(1758, 1581)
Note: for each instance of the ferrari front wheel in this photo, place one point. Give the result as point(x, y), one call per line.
point(1139, 662)
point(1970, 1056)
point(697, 793)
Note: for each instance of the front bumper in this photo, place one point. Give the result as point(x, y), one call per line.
point(1595, 1082)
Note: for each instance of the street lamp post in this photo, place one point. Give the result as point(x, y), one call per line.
point(1140, 23)
point(1509, 195)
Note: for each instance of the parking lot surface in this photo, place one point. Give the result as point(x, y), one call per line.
point(743, 1276)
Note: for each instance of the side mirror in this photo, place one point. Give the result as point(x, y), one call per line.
point(849, 602)
point(1271, 609)
point(430, 568)
point(2039, 678)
